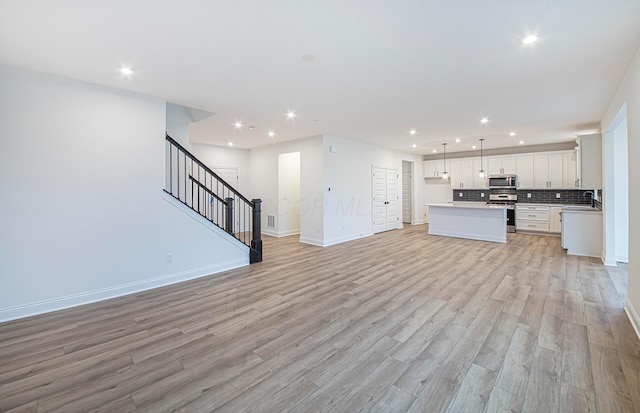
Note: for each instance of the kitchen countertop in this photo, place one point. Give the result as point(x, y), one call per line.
point(482, 205)
point(581, 208)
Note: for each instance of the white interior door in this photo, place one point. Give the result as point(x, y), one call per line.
point(385, 199)
point(230, 176)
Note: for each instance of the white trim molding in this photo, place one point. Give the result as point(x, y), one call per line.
point(335, 241)
point(633, 316)
point(277, 234)
point(60, 303)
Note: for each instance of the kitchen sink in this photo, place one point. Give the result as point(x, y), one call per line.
point(579, 208)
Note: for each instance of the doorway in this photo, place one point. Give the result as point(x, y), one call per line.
point(616, 194)
point(288, 208)
point(407, 192)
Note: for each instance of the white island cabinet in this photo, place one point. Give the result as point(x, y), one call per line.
point(476, 221)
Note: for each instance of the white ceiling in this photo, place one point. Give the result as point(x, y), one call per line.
point(380, 67)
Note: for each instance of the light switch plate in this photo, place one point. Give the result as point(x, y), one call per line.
point(460, 194)
point(528, 195)
point(481, 194)
point(557, 195)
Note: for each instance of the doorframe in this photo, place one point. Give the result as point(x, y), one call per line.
point(411, 190)
point(609, 183)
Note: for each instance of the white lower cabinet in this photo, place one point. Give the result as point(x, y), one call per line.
point(582, 233)
point(539, 218)
point(532, 218)
point(555, 219)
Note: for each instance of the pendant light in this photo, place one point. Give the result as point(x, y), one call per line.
point(481, 172)
point(445, 174)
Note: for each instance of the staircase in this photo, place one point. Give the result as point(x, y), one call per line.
point(199, 188)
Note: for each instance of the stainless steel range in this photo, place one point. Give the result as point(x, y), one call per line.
point(510, 201)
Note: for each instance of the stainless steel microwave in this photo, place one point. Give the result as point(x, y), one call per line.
point(503, 182)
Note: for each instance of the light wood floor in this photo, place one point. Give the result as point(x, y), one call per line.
point(401, 321)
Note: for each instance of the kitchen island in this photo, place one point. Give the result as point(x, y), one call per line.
point(471, 220)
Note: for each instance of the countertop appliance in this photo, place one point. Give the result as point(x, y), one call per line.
point(510, 201)
point(503, 181)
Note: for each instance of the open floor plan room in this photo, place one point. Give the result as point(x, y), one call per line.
point(398, 322)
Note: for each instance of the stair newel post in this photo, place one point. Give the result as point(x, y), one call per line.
point(256, 239)
point(228, 226)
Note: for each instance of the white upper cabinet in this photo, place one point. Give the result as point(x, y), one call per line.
point(465, 174)
point(524, 171)
point(499, 165)
point(494, 165)
point(556, 179)
point(433, 169)
point(480, 183)
point(590, 161)
point(543, 170)
point(455, 172)
point(570, 170)
point(548, 171)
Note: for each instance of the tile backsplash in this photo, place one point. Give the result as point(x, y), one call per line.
point(538, 196)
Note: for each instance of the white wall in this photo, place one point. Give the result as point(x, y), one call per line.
point(347, 171)
point(83, 213)
point(347, 189)
point(288, 218)
point(177, 124)
point(222, 157)
point(629, 92)
point(621, 174)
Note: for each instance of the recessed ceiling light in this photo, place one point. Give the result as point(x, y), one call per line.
point(412, 132)
point(252, 127)
point(414, 146)
point(457, 140)
point(484, 120)
point(230, 143)
point(127, 71)
point(512, 134)
point(529, 39)
point(521, 142)
point(237, 125)
point(271, 134)
point(435, 151)
point(291, 114)
point(473, 147)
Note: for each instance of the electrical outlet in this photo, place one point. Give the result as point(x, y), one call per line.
point(481, 194)
point(529, 195)
point(460, 194)
point(169, 258)
point(557, 195)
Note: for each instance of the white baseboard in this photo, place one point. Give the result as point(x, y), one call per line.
point(609, 261)
point(289, 233)
point(417, 223)
point(269, 232)
point(633, 316)
point(312, 241)
point(31, 309)
point(281, 234)
point(334, 241)
point(346, 238)
point(623, 259)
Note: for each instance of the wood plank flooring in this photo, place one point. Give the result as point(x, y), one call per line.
point(398, 322)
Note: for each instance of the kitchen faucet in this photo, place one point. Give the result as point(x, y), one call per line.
point(591, 194)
